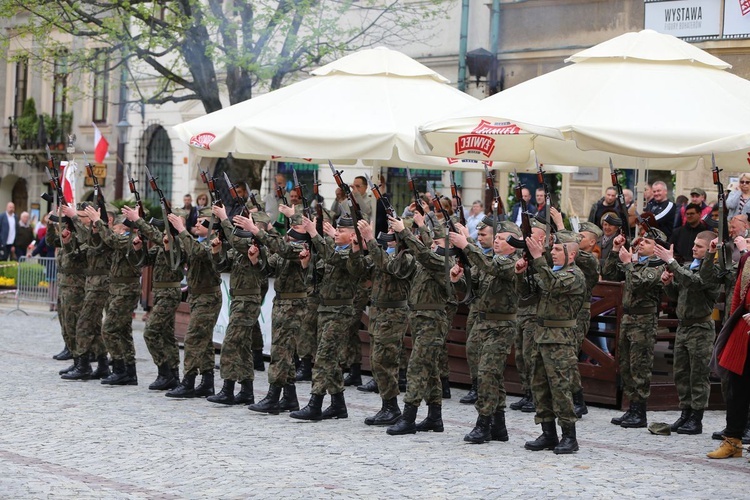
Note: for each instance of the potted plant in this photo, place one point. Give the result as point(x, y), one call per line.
point(28, 124)
point(52, 127)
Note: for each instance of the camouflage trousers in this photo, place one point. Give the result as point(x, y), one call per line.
point(89, 325)
point(199, 345)
point(551, 382)
point(635, 352)
point(472, 352)
point(69, 302)
point(450, 313)
point(117, 329)
point(524, 345)
point(288, 318)
point(159, 331)
point(387, 330)
point(582, 329)
point(492, 341)
point(236, 360)
point(332, 330)
point(257, 335)
point(693, 347)
point(353, 347)
point(428, 331)
point(306, 340)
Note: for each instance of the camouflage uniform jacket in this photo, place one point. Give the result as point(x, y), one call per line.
point(202, 273)
point(245, 278)
point(98, 257)
point(284, 264)
point(562, 297)
point(158, 257)
point(695, 291)
point(429, 287)
point(494, 280)
point(589, 265)
point(121, 245)
point(71, 262)
point(391, 274)
point(643, 287)
point(340, 267)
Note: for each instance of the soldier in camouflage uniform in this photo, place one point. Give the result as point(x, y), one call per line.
point(124, 291)
point(562, 289)
point(159, 330)
point(334, 316)
point(88, 329)
point(352, 348)
point(695, 291)
point(288, 262)
point(247, 262)
point(204, 300)
point(641, 295)
point(428, 296)
point(392, 272)
point(71, 280)
point(494, 328)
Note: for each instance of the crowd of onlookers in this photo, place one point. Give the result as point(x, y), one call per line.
point(22, 237)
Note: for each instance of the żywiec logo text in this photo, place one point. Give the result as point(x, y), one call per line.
point(203, 140)
point(479, 141)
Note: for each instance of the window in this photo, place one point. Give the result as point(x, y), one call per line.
point(101, 88)
point(22, 84)
point(59, 91)
point(159, 162)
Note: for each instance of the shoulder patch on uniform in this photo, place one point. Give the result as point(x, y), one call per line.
point(650, 274)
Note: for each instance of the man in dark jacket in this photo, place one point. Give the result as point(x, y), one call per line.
point(605, 204)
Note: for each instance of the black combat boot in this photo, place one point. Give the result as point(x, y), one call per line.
point(258, 362)
point(206, 387)
point(132, 373)
point(69, 368)
point(270, 403)
point(481, 431)
point(471, 396)
point(102, 368)
point(165, 380)
point(405, 423)
point(185, 389)
point(289, 401)
point(684, 416)
point(370, 386)
point(529, 406)
point(579, 404)
point(312, 410)
point(81, 369)
point(225, 396)
point(246, 396)
point(304, 372)
point(568, 443)
point(118, 373)
point(446, 386)
point(354, 377)
point(637, 418)
point(719, 435)
point(434, 420)
point(624, 416)
point(337, 409)
point(402, 380)
point(694, 424)
point(547, 441)
point(519, 404)
point(498, 430)
point(63, 355)
point(388, 414)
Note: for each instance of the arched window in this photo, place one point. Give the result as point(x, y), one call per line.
point(159, 162)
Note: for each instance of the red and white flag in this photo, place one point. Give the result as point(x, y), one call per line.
point(101, 146)
point(68, 181)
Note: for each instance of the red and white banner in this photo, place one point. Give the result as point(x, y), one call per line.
point(101, 146)
point(68, 180)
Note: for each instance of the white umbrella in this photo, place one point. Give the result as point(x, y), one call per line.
point(645, 99)
point(364, 106)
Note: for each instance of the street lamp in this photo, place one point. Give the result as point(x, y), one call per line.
point(483, 64)
point(123, 130)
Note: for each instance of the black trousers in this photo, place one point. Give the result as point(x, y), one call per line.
point(738, 400)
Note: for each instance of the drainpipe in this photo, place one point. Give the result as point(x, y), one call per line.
point(494, 42)
point(462, 45)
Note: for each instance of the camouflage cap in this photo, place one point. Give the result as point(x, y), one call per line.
point(438, 231)
point(111, 209)
point(120, 219)
point(260, 217)
point(203, 212)
point(183, 213)
point(83, 206)
point(590, 227)
point(565, 236)
point(655, 234)
point(345, 221)
point(612, 219)
point(507, 226)
point(534, 222)
point(295, 220)
point(408, 222)
point(487, 221)
point(660, 429)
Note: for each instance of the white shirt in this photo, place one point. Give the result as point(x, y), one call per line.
point(11, 228)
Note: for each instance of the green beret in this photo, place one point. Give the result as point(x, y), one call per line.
point(507, 226)
point(260, 217)
point(660, 429)
point(592, 228)
point(566, 236)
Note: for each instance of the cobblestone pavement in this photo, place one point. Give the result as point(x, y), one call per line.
point(64, 439)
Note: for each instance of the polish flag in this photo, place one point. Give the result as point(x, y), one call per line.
point(101, 146)
point(68, 180)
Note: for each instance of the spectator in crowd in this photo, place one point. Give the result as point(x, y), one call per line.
point(515, 211)
point(473, 217)
point(541, 203)
point(663, 209)
point(697, 197)
point(340, 205)
point(7, 231)
point(606, 203)
point(680, 203)
point(201, 202)
point(192, 212)
point(630, 203)
point(738, 227)
point(611, 225)
point(24, 236)
point(683, 237)
point(737, 201)
point(647, 194)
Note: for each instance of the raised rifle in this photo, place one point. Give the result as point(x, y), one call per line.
point(282, 198)
point(318, 206)
point(457, 197)
point(547, 200)
point(254, 201)
point(59, 197)
point(497, 201)
point(134, 191)
point(381, 198)
point(171, 232)
point(305, 203)
point(723, 228)
point(97, 192)
point(356, 212)
point(413, 189)
point(213, 191)
point(525, 232)
point(239, 201)
point(621, 205)
point(646, 228)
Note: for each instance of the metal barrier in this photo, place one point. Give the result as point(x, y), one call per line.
point(36, 281)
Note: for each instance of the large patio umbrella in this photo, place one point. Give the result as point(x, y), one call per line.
point(645, 99)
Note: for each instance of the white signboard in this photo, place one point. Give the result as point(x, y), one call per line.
point(737, 17)
point(685, 18)
point(264, 319)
